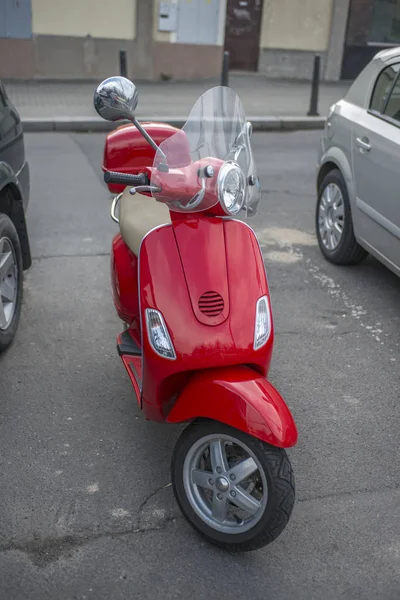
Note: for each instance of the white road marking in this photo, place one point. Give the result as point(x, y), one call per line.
point(159, 513)
point(283, 235)
point(357, 311)
point(93, 488)
point(351, 400)
point(284, 239)
point(119, 513)
point(289, 242)
point(282, 257)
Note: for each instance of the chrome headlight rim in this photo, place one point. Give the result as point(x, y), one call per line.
point(226, 170)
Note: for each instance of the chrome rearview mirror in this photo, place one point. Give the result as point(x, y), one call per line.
point(116, 98)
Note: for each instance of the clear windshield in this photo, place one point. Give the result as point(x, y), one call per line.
point(215, 132)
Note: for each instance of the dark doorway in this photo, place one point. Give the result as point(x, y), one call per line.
point(242, 33)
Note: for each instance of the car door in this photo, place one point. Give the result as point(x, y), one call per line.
point(376, 166)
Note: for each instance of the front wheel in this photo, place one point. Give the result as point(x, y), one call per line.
point(235, 490)
point(10, 281)
point(334, 223)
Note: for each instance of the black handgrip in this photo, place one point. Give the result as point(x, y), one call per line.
point(126, 178)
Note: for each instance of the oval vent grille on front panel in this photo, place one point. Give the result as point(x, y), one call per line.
point(211, 304)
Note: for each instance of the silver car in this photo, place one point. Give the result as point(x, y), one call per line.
point(358, 180)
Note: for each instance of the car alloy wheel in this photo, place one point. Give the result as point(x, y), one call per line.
point(331, 216)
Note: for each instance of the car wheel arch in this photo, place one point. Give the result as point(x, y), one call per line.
point(11, 205)
point(336, 159)
point(323, 172)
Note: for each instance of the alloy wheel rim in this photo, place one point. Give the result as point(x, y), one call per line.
point(8, 283)
point(225, 484)
point(331, 216)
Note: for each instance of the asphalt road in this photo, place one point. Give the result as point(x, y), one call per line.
point(84, 508)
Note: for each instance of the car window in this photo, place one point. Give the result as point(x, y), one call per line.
point(382, 88)
point(392, 109)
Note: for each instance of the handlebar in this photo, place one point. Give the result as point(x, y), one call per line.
point(126, 178)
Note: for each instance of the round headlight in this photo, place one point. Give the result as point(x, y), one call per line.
point(231, 188)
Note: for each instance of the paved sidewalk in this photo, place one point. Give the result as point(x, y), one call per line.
point(262, 98)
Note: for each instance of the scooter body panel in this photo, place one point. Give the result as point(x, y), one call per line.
point(227, 260)
point(133, 366)
point(241, 398)
point(124, 281)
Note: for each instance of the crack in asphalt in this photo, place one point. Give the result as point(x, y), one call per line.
point(43, 552)
point(149, 497)
point(350, 493)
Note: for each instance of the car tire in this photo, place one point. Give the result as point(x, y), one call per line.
point(11, 281)
point(347, 251)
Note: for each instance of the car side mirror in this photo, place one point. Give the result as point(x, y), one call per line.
point(116, 98)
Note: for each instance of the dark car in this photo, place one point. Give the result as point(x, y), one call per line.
point(15, 255)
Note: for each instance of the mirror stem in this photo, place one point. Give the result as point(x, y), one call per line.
point(148, 138)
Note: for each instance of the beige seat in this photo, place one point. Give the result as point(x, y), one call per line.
point(138, 215)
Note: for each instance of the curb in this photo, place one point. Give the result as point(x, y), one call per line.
point(95, 124)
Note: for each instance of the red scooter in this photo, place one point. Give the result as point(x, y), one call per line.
point(189, 282)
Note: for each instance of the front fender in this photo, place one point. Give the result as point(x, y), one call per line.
point(7, 175)
point(241, 398)
point(14, 207)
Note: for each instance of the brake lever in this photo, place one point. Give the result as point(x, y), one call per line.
point(144, 188)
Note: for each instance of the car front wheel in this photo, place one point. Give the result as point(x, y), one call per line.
point(334, 224)
point(10, 281)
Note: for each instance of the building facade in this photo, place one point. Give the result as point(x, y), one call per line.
point(82, 39)
point(185, 39)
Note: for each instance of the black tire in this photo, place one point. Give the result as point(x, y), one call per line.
point(8, 231)
point(280, 482)
point(348, 251)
